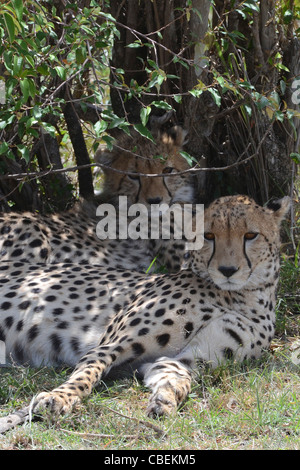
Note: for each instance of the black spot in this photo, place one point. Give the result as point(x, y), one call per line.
point(44, 253)
point(56, 287)
point(75, 345)
point(57, 311)
point(207, 309)
point(160, 312)
point(9, 321)
point(5, 305)
point(73, 296)
point(163, 340)
point(181, 311)
point(90, 290)
point(50, 298)
point(143, 331)
point(188, 327)
point(168, 321)
point(206, 317)
point(135, 322)
point(55, 341)
point(235, 336)
point(20, 325)
point(2, 335)
point(138, 349)
point(36, 290)
point(228, 353)
point(63, 325)
point(5, 229)
point(39, 309)
point(35, 243)
point(33, 332)
point(24, 305)
point(17, 252)
point(117, 308)
point(177, 295)
point(19, 352)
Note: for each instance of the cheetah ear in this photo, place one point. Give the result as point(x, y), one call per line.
point(178, 134)
point(280, 207)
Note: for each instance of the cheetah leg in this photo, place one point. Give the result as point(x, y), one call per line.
point(80, 384)
point(170, 382)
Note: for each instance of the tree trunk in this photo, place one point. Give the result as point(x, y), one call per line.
point(220, 134)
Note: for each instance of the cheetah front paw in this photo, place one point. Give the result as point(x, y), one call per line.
point(54, 402)
point(161, 405)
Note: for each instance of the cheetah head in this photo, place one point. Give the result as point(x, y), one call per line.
point(137, 156)
point(241, 242)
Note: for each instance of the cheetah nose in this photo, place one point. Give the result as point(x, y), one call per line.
point(154, 200)
point(228, 271)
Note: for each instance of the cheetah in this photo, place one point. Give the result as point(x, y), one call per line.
point(71, 236)
point(99, 320)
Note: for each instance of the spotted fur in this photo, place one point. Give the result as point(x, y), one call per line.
point(71, 236)
point(101, 319)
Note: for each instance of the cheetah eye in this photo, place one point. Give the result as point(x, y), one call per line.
point(133, 177)
point(168, 169)
point(209, 236)
point(250, 236)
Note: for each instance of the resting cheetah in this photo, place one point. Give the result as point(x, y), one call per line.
point(99, 319)
point(71, 236)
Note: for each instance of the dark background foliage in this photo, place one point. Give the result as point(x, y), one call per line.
point(75, 73)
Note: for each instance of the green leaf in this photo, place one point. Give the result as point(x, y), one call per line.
point(162, 105)
point(109, 141)
point(144, 114)
point(196, 92)
point(80, 55)
point(288, 16)
point(157, 78)
point(8, 58)
point(251, 5)
point(48, 128)
point(23, 149)
point(4, 148)
point(10, 26)
point(28, 88)
point(282, 86)
point(37, 112)
point(18, 7)
point(282, 67)
point(143, 131)
point(188, 157)
point(25, 88)
point(100, 127)
point(215, 95)
point(61, 72)
point(17, 66)
point(134, 45)
point(177, 98)
point(296, 157)
point(116, 122)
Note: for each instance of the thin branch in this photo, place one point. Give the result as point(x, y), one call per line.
point(158, 430)
point(98, 435)
point(195, 169)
